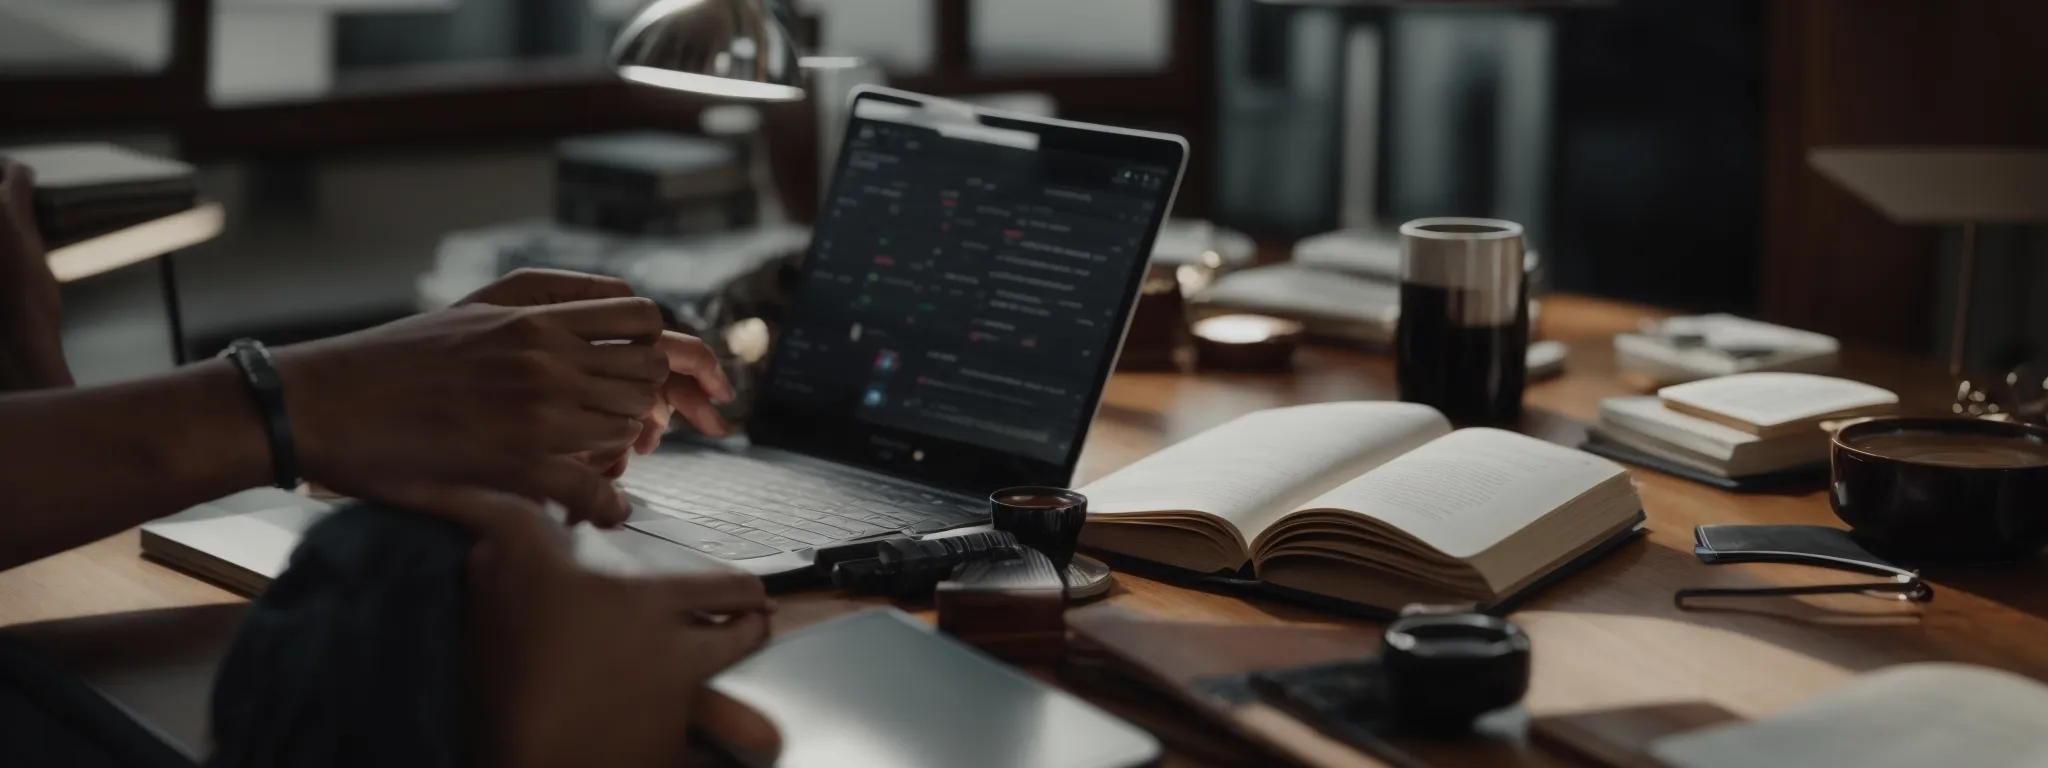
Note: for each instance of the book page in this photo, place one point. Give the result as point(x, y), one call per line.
point(1907, 716)
point(1253, 469)
point(1766, 399)
point(1471, 489)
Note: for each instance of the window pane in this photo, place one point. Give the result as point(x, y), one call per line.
point(84, 36)
point(1057, 35)
point(296, 50)
point(895, 33)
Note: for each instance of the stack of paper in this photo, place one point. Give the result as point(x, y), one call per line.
point(1738, 427)
point(1683, 349)
point(1343, 286)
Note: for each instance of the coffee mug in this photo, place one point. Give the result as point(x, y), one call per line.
point(1462, 342)
point(1043, 518)
point(1943, 489)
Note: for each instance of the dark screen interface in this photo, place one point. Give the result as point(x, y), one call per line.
point(966, 289)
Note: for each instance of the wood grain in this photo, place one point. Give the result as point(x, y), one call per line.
point(1609, 637)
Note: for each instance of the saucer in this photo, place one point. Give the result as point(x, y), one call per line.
point(1087, 577)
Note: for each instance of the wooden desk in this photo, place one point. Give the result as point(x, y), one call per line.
point(1608, 637)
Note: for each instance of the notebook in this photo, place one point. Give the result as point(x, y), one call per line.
point(1366, 503)
point(1905, 716)
point(1777, 404)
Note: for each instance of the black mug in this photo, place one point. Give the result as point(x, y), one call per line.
point(1043, 518)
point(1943, 490)
point(1462, 343)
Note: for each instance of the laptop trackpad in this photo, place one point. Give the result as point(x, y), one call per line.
point(626, 552)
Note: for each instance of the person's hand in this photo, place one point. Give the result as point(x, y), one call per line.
point(697, 383)
point(478, 396)
point(31, 310)
point(575, 668)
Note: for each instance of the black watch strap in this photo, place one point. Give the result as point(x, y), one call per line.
point(260, 372)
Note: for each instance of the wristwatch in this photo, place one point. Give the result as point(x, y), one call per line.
point(260, 372)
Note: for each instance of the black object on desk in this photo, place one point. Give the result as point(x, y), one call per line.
point(1814, 545)
point(1943, 489)
point(904, 567)
point(1045, 519)
point(1436, 675)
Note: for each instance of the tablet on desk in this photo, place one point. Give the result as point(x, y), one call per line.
point(880, 689)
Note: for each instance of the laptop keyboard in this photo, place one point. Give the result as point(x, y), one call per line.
point(741, 507)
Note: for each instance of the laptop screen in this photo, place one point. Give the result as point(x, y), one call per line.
point(967, 286)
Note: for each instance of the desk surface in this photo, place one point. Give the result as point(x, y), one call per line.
point(1608, 637)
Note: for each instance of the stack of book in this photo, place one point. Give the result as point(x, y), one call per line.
point(1750, 431)
point(650, 183)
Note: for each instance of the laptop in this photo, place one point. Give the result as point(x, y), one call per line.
point(967, 288)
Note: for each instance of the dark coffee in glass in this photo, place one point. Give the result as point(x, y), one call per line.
point(1043, 518)
point(1462, 342)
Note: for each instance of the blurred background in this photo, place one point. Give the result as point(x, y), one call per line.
point(1656, 150)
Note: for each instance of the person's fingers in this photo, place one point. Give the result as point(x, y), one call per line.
point(584, 491)
point(596, 435)
point(619, 397)
point(651, 430)
point(735, 639)
point(630, 318)
point(532, 287)
point(719, 592)
point(633, 362)
point(611, 464)
point(490, 514)
point(560, 285)
point(687, 397)
point(690, 356)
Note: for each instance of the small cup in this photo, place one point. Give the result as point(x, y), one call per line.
point(1043, 518)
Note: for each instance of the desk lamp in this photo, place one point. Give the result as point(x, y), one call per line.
point(1948, 186)
point(737, 49)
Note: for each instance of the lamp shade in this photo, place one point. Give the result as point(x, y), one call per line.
point(731, 48)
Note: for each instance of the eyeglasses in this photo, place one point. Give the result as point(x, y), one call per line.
point(1906, 587)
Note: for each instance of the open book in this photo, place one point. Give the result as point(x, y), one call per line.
point(1366, 502)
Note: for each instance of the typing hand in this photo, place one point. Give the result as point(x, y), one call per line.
point(575, 668)
point(31, 311)
point(696, 382)
point(478, 396)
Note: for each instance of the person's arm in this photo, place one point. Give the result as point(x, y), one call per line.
point(406, 413)
point(77, 465)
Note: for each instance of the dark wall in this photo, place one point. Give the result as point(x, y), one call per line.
point(1659, 157)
